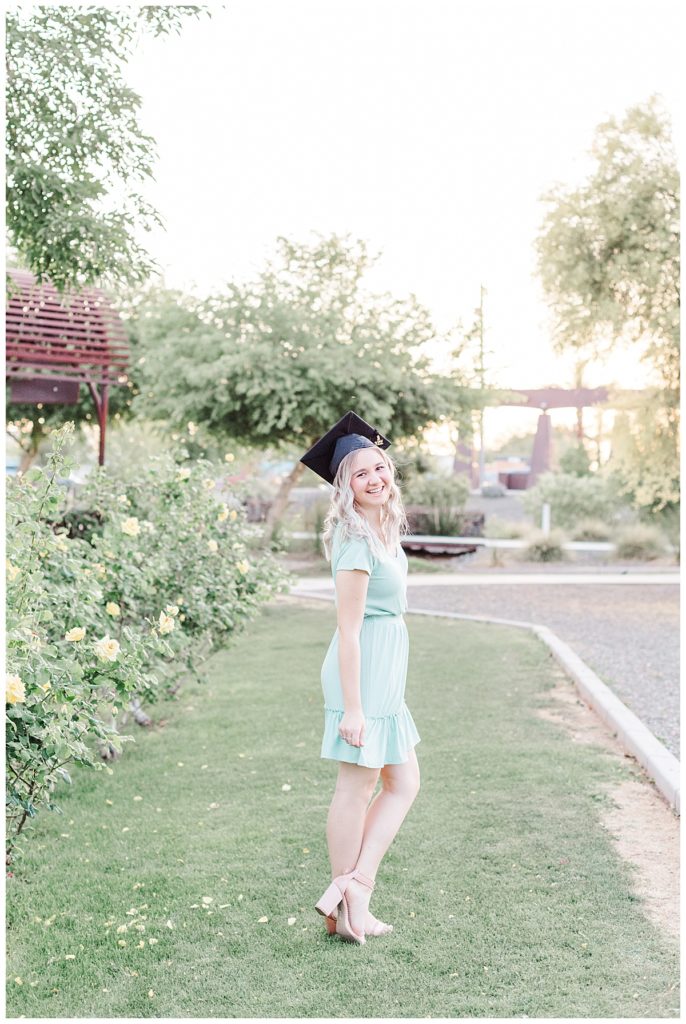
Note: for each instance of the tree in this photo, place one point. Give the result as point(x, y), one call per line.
point(643, 458)
point(279, 359)
point(575, 461)
point(608, 257)
point(76, 156)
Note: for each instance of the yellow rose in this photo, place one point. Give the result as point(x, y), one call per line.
point(12, 571)
point(229, 457)
point(192, 429)
point(233, 515)
point(106, 648)
point(75, 635)
point(208, 484)
point(100, 569)
point(182, 617)
point(166, 623)
point(14, 690)
point(243, 566)
point(61, 544)
point(183, 473)
point(223, 515)
point(46, 687)
point(131, 527)
point(123, 500)
point(172, 610)
point(113, 609)
point(213, 546)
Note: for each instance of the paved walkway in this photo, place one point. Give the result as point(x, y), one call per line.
point(624, 625)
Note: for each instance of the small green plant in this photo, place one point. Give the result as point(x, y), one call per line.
point(279, 542)
point(640, 541)
point(591, 529)
point(543, 547)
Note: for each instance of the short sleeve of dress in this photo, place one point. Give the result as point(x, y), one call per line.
point(353, 553)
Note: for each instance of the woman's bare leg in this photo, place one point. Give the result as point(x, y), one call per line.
point(346, 819)
point(386, 813)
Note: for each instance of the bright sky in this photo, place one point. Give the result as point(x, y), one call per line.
point(429, 128)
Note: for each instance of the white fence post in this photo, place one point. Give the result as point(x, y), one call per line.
point(545, 518)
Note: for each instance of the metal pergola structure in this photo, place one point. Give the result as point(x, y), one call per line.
point(542, 399)
point(55, 343)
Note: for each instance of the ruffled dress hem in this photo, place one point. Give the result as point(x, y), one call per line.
point(388, 739)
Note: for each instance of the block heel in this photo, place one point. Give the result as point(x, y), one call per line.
point(334, 897)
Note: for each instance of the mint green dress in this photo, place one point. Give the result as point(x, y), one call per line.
point(390, 732)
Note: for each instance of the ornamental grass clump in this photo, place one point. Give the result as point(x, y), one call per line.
point(505, 529)
point(96, 628)
point(640, 541)
point(542, 547)
point(591, 529)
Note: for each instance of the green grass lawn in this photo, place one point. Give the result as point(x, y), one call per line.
point(506, 893)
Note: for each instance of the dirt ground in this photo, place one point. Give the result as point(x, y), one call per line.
point(645, 828)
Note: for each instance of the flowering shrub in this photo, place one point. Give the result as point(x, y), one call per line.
point(97, 626)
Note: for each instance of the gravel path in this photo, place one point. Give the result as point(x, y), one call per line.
point(629, 636)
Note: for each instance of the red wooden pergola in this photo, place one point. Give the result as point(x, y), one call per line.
point(55, 343)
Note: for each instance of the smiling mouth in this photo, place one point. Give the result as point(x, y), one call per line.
point(377, 490)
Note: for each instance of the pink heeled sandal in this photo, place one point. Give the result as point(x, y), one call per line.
point(380, 928)
point(334, 897)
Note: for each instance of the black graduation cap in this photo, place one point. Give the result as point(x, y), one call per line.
point(351, 432)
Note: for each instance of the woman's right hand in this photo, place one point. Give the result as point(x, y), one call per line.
point(352, 728)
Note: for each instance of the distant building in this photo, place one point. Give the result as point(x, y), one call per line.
point(509, 470)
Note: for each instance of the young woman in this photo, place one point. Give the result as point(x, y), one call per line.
point(368, 727)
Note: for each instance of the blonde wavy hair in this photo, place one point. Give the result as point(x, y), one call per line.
point(342, 510)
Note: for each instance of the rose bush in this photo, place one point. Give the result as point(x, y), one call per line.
point(98, 626)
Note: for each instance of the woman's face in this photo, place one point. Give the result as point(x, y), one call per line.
point(371, 478)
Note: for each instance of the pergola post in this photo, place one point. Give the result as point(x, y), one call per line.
point(101, 402)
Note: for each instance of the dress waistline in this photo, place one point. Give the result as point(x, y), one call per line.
point(382, 615)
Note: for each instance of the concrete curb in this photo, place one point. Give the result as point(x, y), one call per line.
point(635, 737)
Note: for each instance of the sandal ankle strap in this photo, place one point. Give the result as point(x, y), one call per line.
point(363, 878)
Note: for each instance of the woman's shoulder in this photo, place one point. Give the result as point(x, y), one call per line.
point(343, 535)
point(351, 548)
